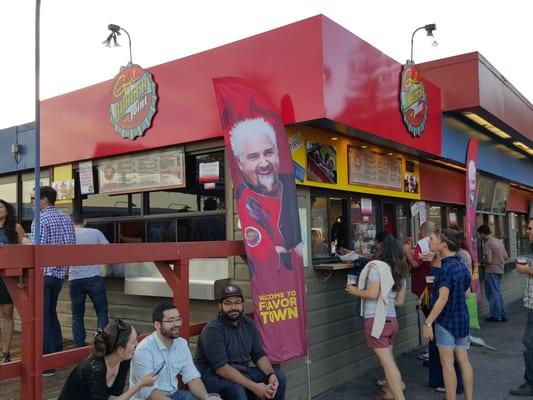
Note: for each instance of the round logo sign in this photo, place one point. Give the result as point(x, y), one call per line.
point(133, 101)
point(413, 100)
point(252, 236)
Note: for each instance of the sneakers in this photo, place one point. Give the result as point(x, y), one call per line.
point(424, 356)
point(6, 357)
point(523, 390)
point(49, 372)
point(492, 319)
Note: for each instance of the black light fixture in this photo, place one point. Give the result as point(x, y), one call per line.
point(429, 31)
point(112, 38)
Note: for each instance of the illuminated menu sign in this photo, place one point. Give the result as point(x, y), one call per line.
point(154, 170)
point(370, 168)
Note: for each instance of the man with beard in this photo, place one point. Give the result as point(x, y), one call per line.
point(270, 223)
point(165, 347)
point(226, 346)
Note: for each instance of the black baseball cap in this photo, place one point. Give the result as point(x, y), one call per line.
point(230, 290)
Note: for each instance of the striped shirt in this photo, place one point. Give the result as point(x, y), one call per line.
point(528, 290)
point(56, 228)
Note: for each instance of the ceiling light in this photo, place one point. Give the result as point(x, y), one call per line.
point(486, 124)
point(364, 146)
point(335, 138)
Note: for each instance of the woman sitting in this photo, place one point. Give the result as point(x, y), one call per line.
point(103, 375)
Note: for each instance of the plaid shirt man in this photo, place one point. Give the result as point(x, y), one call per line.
point(455, 276)
point(56, 228)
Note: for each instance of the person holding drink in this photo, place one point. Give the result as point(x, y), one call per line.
point(524, 266)
point(450, 313)
point(381, 287)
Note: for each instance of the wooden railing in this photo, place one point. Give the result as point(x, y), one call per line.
point(20, 267)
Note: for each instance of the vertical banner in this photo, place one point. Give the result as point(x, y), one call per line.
point(263, 180)
point(470, 217)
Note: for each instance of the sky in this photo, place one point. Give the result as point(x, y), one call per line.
point(72, 31)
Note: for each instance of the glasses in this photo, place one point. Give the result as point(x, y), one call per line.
point(173, 320)
point(232, 303)
point(120, 327)
point(32, 198)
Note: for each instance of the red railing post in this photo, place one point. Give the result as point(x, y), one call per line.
point(38, 327)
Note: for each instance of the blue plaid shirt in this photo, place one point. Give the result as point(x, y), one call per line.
point(455, 276)
point(56, 228)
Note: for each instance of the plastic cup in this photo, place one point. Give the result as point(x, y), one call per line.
point(351, 279)
point(430, 278)
point(213, 396)
point(521, 260)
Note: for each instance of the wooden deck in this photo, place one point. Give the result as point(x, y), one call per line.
point(9, 390)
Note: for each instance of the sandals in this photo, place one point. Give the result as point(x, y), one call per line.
point(440, 389)
point(6, 357)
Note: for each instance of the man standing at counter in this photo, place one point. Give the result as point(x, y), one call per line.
point(524, 266)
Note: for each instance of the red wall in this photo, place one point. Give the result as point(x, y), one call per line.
point(311, 69)
point(442, 185)
point(519, 200)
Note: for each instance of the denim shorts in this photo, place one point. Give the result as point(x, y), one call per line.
point(446, 340)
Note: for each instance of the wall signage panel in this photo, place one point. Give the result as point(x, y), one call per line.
point(154, 170)
point(369, 168)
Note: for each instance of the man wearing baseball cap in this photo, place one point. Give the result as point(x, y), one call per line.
point(225, 349)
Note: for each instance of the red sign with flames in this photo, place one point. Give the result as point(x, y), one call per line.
point(413, 100)
point(133, 101)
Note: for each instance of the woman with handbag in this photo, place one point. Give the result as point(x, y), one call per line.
point(381, 287)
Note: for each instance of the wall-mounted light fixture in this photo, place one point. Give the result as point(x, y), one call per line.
point(112, 38)
point(429, 31)
point(16, 149)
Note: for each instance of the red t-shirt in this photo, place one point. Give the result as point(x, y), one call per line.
point(418, 275)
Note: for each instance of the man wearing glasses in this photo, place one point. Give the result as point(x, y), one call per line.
point(56, 228)
point(226, 346)
point(164, 348)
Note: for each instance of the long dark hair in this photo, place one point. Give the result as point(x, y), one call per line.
point(115, 334)
point(391, 253)
point(10, 223)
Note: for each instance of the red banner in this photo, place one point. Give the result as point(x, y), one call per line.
point(470, 217)
point(263, 181)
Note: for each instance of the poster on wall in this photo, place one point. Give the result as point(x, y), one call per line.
point(370, 168)
point(153, 170)
point(265, 193)
point(86, 177)
point(321, 162)
point(64, 189)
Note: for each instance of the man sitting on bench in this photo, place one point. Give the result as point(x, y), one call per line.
point(225, 349)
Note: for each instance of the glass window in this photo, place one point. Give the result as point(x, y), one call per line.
point(403, 227)
point(363, 224)
point(104, 205)
point(303, 213)
point(320, 246)
point(435, 216)
point(28, 184)
point(8, 191)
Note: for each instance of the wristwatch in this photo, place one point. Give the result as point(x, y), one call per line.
point(428, 325)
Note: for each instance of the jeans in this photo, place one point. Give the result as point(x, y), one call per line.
point(231, 391)
point(79, 289)
point(527, 348)
point(494, 296)
point(183, 395)
point(52, 338)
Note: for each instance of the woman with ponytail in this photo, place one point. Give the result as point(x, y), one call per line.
point(103, 375)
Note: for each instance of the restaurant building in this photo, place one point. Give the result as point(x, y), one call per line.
point(358, 169)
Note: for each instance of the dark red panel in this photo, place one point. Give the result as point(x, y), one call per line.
point(442, 185)
point(519, 200)
point(361, 90)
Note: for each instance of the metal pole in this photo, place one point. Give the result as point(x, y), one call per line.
point(37, 184)
point(129, 41)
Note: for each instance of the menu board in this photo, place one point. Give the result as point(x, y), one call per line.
point(501, 194)
point(370, 168)
point(485, 193)
point(145, 171)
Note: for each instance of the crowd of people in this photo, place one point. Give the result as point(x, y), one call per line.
point(439, 263)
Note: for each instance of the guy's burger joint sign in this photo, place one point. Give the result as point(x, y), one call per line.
point(413, 99)
point(133, 101)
